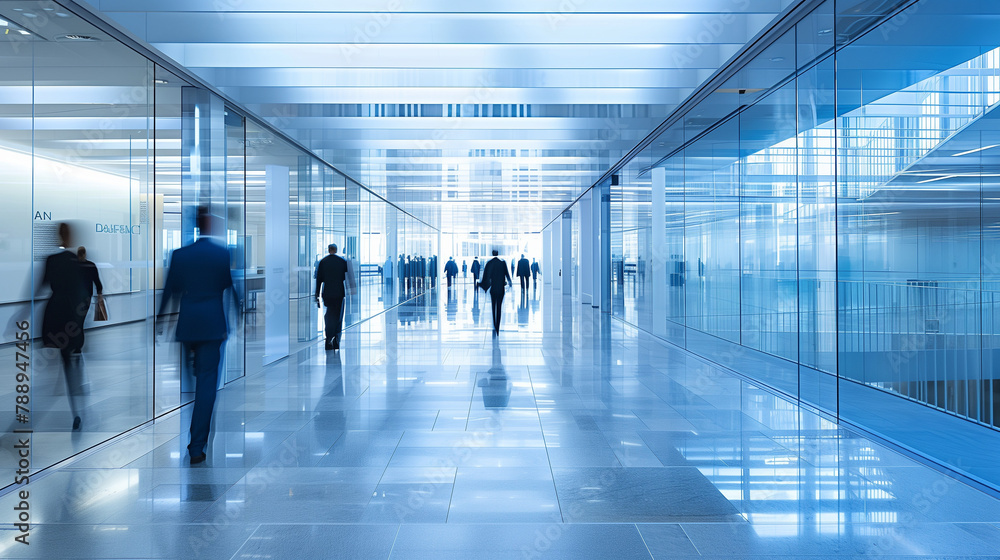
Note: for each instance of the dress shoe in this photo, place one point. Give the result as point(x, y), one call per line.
point(199, 458)
point(336, 344)
point(329, 345)
point(76, 423)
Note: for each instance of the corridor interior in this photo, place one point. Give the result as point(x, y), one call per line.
point(570, 435)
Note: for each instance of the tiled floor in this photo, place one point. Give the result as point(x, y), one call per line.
point(570, 436)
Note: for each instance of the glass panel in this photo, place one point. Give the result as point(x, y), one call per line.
point(92, 172)
point(711, 260)
point(768, 213)
point(236, 237)
point(817, 235)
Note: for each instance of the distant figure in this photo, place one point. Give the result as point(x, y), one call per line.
point(494, 278)
point(330, 275)
point(90, 278)
point(476, 267)
point(513, 263)
point(523, 271)
point(535, 271)
point(450, 269)
point(199, 275)
point(465, 271)
point(62, 320)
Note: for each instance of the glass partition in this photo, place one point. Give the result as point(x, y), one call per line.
point(825, 223)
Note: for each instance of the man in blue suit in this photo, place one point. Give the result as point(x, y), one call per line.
point(199, 275)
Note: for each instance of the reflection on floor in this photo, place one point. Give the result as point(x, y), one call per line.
point(570, 436)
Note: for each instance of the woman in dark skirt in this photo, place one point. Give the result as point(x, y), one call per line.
point(62, 321)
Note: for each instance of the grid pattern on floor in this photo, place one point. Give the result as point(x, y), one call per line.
point(570, 435)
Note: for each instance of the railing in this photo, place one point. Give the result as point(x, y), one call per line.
point(934, 342)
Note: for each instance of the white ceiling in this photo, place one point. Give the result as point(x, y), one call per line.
point(596, 77)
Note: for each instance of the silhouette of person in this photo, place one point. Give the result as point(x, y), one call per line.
point(535, 271)
point(450, 269)
point(476, 267)
point(62, 320)
point(331, 273)
point(199, 276)
point(523, 271)
point(465, 271)
point(495, 277)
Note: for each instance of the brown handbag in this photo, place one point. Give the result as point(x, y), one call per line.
point(101, 310)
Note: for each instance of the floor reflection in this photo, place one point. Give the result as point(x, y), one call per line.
point(427, 436)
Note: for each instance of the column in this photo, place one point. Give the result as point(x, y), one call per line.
point(203, 174)
point(595, 247)
point(567, 252)
point(658, 255)
point(547, 265)
point(586, 250)
point(556, 266)
point(605, 197)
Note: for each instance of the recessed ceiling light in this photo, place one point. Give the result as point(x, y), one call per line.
point(161, 81)
point(62, 14)
point(777, 59)
point(825, 31)
point(77, 37)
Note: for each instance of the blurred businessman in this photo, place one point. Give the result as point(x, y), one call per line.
point(495, 279)
point(199, 276)
point(331, 273)
point(523, 271)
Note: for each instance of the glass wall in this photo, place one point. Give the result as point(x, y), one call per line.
point(825, 223)
point(106, 157)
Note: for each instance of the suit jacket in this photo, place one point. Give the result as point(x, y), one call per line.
point(496, 271)
point(475, 266)
point(199, 275)
point(523, 268)
point(62, 321)
point(91, 278)
point(535, 268)
point(451, 268)
point(331, 273)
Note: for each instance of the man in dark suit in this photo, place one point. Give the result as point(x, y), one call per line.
point(199, 275)
point(330, 274)
point(523, 271)
point(476, 267)
point(450, 270)
point(535, 271)
point(495, 277)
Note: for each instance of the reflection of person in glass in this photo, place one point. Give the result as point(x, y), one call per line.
point(62, 321)
point(331, 273)
point(199, 275)
point(90, 278)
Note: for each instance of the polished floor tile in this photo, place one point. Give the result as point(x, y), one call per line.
point(571, 435)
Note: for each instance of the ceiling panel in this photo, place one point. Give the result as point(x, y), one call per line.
point(440, 105)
